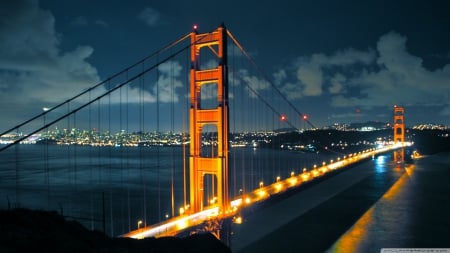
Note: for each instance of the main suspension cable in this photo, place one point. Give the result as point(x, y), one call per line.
point(168, 46)
point(267, 79)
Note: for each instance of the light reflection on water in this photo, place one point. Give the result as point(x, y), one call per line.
point(380, 162)
point(386, 221)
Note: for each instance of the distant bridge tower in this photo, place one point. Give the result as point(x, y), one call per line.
point(399, 132)
point(199, 165)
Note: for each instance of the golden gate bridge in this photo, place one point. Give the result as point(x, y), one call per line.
point(198, 99)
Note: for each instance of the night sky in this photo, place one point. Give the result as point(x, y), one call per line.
point(330, 58)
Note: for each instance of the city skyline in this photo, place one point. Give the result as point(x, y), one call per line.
point(337, 62)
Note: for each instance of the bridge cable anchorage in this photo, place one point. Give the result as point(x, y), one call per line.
point(266, 77)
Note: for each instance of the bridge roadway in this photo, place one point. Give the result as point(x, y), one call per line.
point(177, 224)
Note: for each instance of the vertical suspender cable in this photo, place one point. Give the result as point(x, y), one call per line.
point(141, 133)
point(75, 160)
point(120, 142)
point(110, 165)
point(242, 121)
point(158, 136)
point(47, 169)
point(91, 183)
point(16, 153)
point(128, 165)
point(172, 126)
point(99, 161)
point(66, 136)
point(233, 105)
point(184, 112)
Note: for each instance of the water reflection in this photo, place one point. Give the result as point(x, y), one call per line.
point(380, 162)
point(386, 220)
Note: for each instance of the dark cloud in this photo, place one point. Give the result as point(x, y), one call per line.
point(79, 21)
point(383, 77)
point(150, 16)
point(32, 65)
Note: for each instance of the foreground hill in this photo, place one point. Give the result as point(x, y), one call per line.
point(23, 230)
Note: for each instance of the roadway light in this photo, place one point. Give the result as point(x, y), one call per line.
point(237, 220)
point(139, 223)
point(278, 186)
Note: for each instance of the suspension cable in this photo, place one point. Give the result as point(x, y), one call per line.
point(264, 100)
point(168, 46)
point(265, 77)
point(144, 71)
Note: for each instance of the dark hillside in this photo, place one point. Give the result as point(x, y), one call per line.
point(23, 230)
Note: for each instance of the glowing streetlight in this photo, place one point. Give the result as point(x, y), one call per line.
point(139, 224)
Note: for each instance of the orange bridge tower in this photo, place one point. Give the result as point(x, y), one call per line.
point(214, 168)
point(399, 132)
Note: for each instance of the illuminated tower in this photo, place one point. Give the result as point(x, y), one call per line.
point(200, 166)
point(399, 132)
point(399, 124)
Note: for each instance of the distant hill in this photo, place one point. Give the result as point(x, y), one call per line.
point(425, 141)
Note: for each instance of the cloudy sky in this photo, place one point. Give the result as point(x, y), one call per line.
point(329, 58)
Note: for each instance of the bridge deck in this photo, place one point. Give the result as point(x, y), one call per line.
point(180, 223)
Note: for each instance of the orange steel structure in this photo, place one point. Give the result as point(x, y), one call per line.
point(399, 124)
point(399, 132)
point(200, 166)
